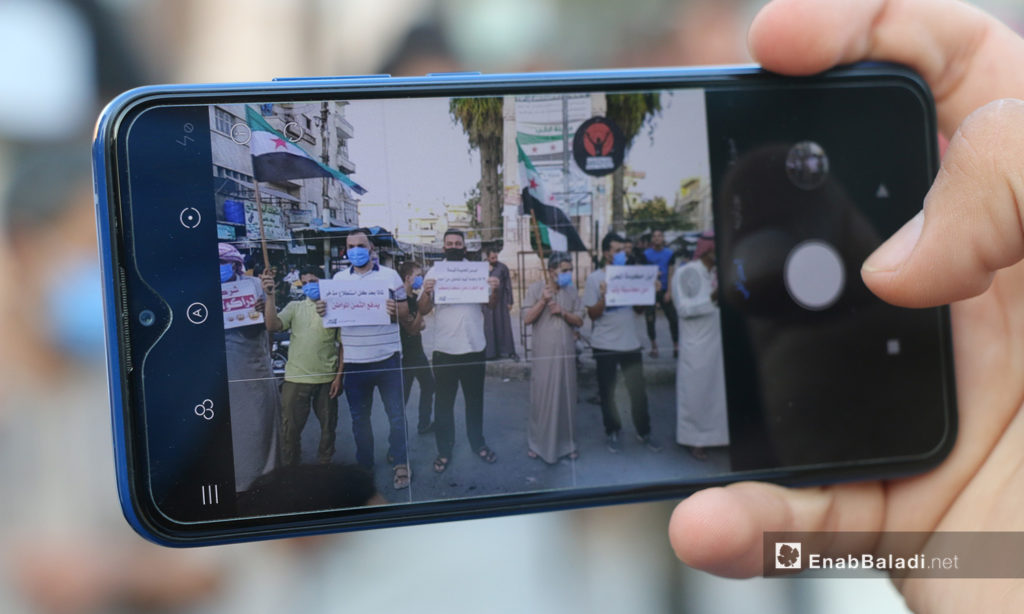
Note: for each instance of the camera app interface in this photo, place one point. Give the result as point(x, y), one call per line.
point(441, 299)
point(459, 297)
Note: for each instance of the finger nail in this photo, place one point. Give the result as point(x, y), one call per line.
point(894, 252)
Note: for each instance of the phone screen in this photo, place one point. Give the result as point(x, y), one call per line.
point(535, 298)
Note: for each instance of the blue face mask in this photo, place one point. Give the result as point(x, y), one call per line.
point(417, 282)
point(564, 279)
point(75, 309)
point(619, 258)
point(227, 271)
point(312, 290)
point(358, 256)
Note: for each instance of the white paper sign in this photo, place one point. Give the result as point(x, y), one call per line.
point(630, 284)
point(355, 302)
point(461, 282)
point(238, 300)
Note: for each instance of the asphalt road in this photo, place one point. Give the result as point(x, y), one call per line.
point(506, 407)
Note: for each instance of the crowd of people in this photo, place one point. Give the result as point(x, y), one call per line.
point(325, 363)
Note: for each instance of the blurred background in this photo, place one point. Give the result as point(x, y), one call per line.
point(63, 544)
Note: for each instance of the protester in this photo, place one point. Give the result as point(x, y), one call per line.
point(701, 418)
point(415, 365)
point(641, 245)
point(617, 346)
point(497, 320)
point(554, 309)
point(252, 390)
point(972, 63)
point(662, 256)
point(373, 359)
point(459, 344)
point(631, 251)
point(312, 375)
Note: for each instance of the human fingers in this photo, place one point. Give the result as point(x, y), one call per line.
point(970, 226)
point(720, 530)
point(967, 57)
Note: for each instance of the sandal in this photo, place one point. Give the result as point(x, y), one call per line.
point(441, 463)
point(532, 454)
point(487, 455)
point(401, 477)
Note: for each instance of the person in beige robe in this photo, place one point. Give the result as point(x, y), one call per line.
point(554, 309)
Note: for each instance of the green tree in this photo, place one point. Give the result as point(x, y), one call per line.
point(630, 112)
point(655, 214)
point(482, 121)
point(472, 200)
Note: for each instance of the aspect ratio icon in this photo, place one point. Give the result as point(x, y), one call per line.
point(197, 313)
point(189, 217)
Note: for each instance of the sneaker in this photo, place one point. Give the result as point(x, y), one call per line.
point(613, 443)
point(649, 443)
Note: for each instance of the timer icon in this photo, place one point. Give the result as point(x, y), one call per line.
point(189, 217)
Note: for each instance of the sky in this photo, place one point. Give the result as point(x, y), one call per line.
point(679, 149)
point(410, 150)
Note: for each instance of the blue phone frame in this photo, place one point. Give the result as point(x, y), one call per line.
point(105, 182)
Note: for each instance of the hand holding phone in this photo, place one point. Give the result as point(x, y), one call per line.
point(777, 201)
point(950, 251)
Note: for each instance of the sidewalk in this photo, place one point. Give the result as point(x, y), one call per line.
point(506, 418)
point(661, 370)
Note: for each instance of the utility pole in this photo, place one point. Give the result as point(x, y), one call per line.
point(325, 158)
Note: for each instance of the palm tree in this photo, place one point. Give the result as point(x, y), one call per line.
point(482, 121)
point(630, 112)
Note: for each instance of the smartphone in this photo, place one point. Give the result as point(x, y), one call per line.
point(345, 303)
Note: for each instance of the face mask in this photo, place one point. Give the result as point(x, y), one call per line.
point(454, 253)
point(227, 271)
point(619, 258)
point(75, 309)
point(564, 279)
point(359, 256)
point(417, 282)
point(312, 290)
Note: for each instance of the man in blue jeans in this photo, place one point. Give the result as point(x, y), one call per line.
point(373, 359)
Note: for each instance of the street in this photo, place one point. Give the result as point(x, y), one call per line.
point(506, 410)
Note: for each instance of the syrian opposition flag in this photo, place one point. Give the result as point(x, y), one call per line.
point(556, 230)
point(275, 158)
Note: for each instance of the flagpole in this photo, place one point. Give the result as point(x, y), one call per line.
point(263, 237)
point(540, 246)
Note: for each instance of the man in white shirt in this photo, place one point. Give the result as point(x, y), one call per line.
point(459, 353)
point(617, 346)
point(701, 413)
point(373, 359)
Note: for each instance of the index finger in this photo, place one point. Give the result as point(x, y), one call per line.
point(967, 56)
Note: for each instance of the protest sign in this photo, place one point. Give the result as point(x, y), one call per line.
point(238, 300)
point(355, 302)
point(630, 284)
point(460, 282)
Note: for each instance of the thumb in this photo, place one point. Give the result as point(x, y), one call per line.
point(970, 226)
